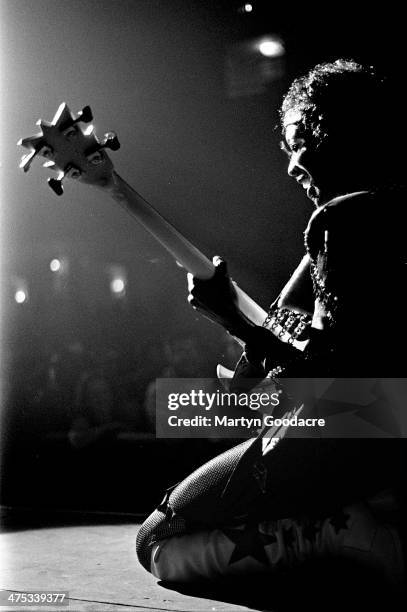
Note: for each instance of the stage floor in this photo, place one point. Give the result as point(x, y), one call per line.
point(97, 565)
point(93, 558)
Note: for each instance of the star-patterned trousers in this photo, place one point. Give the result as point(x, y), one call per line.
point(231, 516)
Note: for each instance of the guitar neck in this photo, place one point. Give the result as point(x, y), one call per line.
point(184, 252)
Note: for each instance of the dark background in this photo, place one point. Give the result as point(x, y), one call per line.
point(203, 149)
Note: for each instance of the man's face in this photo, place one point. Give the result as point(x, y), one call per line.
point(301, 165)
point(305, 165)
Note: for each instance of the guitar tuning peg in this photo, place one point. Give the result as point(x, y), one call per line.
point(56, 185)
point(70, 171)
point(95, 157)
point(85, 115)
point(110, 141)
point(68, 125)
point(46, 151)
point(94, 154)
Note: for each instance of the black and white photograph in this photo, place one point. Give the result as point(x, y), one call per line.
point(203, 250)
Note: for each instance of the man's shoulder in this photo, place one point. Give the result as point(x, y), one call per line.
point(342, 216)
point(344, 207)
point(364, 218)
point(381, 206)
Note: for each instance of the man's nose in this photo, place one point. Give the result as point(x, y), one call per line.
point(293, 167)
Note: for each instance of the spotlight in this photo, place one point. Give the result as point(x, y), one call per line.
point(271, 47)
point(117, 280)
point(117, 285)
point(245, 8)
point(55, 265)
point(20, 296)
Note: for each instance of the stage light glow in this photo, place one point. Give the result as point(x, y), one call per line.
point(20, 296)
point(271, 47)
point(248, 8)
point(55, 265)
point(117, 285)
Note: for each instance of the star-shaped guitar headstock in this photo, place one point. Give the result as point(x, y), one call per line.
point(71, 151)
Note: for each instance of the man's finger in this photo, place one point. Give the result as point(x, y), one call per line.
point(190, 280)
point(220, 265)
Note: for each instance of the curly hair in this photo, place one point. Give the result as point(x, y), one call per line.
point(333, 97)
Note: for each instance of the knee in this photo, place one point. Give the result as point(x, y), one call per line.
point(155, 530)
point(164, 558)
point(180, 559)
point(146, 537)
point(143, 548)
point(177, 558)
point(195, 557)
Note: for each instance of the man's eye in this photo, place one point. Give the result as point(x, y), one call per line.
point(297, 146)
point(292, 147)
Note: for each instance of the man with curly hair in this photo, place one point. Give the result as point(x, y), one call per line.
point(258, 507)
